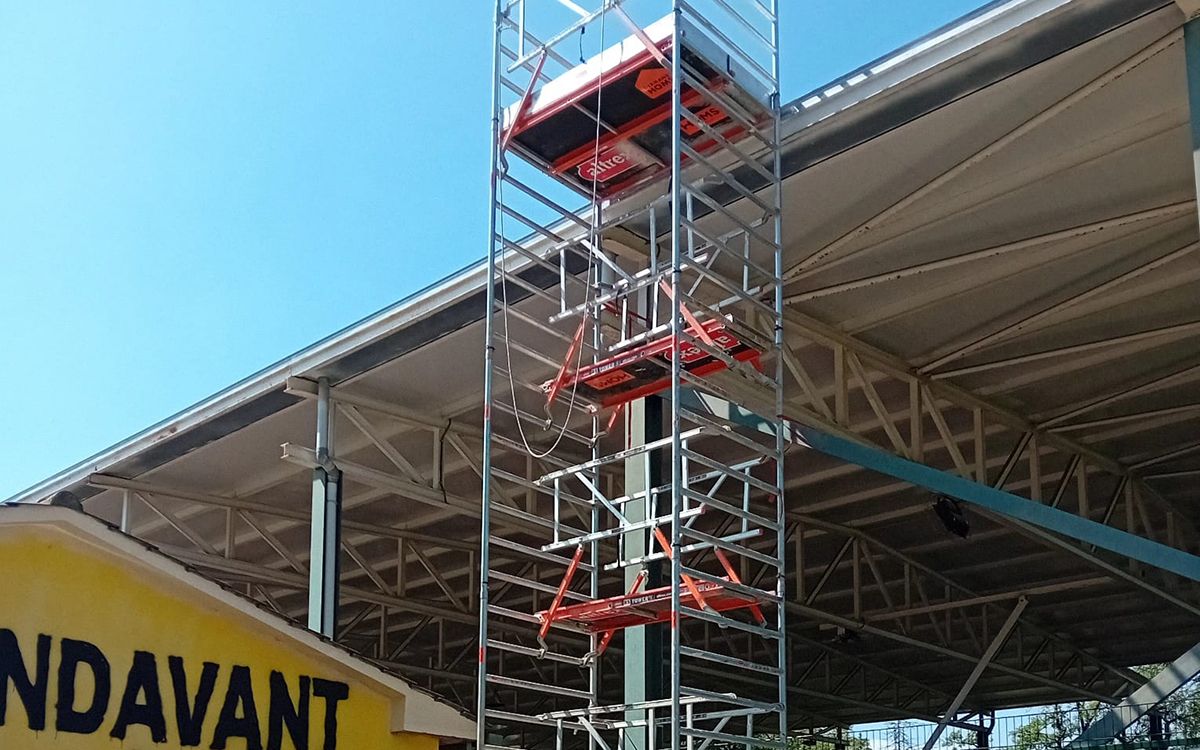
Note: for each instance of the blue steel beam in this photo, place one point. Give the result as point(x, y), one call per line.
point(998, 501)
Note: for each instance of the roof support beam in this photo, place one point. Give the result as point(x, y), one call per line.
point(842, 247)
point(1047, 315)
point(1172, 210)
point(1006, 504)
point(977, 672)
point(826, 337)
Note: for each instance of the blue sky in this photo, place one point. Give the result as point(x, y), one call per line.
point(192, 190)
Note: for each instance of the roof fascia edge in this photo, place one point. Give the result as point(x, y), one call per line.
point(949, 43)
point(307, 362)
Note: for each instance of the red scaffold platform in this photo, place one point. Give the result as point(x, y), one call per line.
point(605, 617)
point(628, 86)
point(631, 610)
point(646, 369)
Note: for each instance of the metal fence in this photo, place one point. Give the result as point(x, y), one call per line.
point(1172, 724)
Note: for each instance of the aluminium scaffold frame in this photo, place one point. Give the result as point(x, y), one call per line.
point(579, 324)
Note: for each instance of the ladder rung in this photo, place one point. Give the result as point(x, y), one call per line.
point(736, 111)
point(722, 621)
point(519, 449)
point(732, 739)
point(724, 177)
point(536, 585)
point(729, 433)
point(732, 699)
point(516, 648)
point(511, 344)
point(732, 661)
point(685, 549)
point(531, 518)
point(547, 329)
point(512, 614)
point(749, 592)
point(535, 553)
point(618, 456)
point(743, 227)
point(538, 687)
point(564, 397)
point(493, 713)
point(731, 509)
point(738, 476)
point(528, 418)
point(617, 531)
point(531, 485)
point(619, 708)
point(735, 291)
point(736, 549)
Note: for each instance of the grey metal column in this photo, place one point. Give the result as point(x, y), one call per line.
point(1191, 47)
point(644, 653)
point(325, 540)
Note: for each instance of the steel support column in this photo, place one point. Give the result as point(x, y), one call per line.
point(325, 538)
point(644, 655)
point(1191, 50)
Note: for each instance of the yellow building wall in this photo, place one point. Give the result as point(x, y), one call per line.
point(52, 583)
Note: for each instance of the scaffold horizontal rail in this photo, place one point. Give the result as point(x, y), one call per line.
point(624, 528)
point(732, 661)
point(737, 549)
point(532, 585)
point(728, 622)
point(520, 718)
point(538, 653)
point(685, 549)
point(736, 587)
point(732, 739)
point(733, 510)
point(538, 687)
point(536, 553)
point(732, 699)
point(740, 477)
point(619, 708)
point(612, 458)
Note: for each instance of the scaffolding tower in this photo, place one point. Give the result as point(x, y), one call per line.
point(660, 117)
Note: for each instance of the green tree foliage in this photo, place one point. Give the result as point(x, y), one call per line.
point(1054, 727)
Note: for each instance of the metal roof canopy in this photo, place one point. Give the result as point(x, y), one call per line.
point(993, 229)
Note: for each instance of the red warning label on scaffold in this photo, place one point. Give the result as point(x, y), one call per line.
point(654, 82)
point(611, 162)
point(710, 114)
